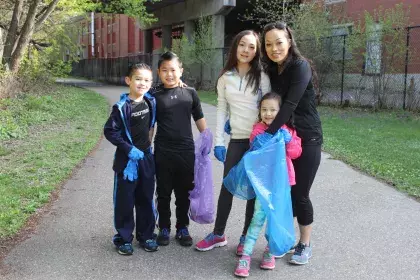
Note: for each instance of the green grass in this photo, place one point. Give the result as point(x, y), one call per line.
point(208, 97)
point(383, 144)
point(45, 138)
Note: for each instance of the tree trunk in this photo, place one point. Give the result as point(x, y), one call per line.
point(1, 43)
point(25, 36)
point(12, 32)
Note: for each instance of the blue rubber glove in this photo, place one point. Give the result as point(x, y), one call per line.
point(286, 135)
point(220, 153)
point(130, 171)
point(227, 127)
point(135, 154)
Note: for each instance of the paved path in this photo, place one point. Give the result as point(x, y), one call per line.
point(364, 230)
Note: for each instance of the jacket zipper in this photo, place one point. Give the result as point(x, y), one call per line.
point(240, 84)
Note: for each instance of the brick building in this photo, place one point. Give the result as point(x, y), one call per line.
point(353, 9)
point(113, 35)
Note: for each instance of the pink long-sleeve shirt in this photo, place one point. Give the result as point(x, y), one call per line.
point(293, 148)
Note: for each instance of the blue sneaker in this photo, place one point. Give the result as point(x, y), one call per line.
point(302, 254)
point(163, 237)
point(125, 249)
point(183, 236)
point(150, 245)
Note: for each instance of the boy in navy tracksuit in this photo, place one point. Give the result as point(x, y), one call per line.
point(130, 128)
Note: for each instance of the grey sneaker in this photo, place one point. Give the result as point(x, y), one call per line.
point(302, 254)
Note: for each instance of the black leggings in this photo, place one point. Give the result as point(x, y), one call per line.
point(236, 149)
point(306, 167)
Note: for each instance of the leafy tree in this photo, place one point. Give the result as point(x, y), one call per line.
point(266, 11)
point(24, 22)
point(200, 50)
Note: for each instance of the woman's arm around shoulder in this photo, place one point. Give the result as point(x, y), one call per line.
point(299, 74)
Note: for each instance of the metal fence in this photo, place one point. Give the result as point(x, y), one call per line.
point(111, 70)
point(114, 70)
point(373, 77)
point(378, 76)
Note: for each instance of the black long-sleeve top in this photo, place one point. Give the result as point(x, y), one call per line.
point(295, 87)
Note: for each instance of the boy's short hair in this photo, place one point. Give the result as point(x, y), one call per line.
point(132, 67)
point(167, 57)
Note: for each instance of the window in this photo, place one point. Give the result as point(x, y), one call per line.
point(328, 2)
point(373, 50)
point(334, 44)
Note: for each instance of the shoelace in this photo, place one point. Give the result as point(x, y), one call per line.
point(126, 246)
point(267, 257)
point(184, 232)
point(243, 264)
point(209, 237)
point(151, 242)
point(299, 249)
point(165, 232)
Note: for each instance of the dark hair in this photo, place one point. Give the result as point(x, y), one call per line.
point(277, 97)
point(138, 66)
point(294, 53)
point(232, 60)
point(167, 57)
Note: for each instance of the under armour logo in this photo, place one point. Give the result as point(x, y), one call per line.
point(174, 96)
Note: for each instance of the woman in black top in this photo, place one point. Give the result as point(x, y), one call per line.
point(291, 77)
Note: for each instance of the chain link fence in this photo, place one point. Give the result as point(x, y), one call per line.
point(377, 78)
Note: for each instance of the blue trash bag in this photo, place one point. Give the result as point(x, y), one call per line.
point(237, 181)
point(201, 197)
point(266, 169)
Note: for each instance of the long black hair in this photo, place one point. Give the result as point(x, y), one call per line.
point(277, 97)
point(254, 74)
point(293, 55)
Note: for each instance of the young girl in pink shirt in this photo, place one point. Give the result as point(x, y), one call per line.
point(268, 109)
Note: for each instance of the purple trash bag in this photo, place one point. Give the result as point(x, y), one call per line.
point(201, 197)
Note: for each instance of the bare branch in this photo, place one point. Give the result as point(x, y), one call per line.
point(46, 12)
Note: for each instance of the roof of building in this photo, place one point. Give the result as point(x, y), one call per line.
point(152, 6)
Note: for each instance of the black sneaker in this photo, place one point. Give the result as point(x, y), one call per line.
point(163, 237)
point(125, 249)
point(183, 236)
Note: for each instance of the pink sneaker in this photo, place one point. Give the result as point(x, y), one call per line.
point(211, 241)
point(244, 264)
point(268, 260)
point(240, 248)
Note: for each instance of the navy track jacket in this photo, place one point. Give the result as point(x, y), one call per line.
point(117, 129)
